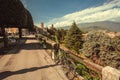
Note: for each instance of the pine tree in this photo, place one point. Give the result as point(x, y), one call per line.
point(73, 39)
point(60, 34)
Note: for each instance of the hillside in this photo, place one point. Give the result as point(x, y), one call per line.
point(104, 25)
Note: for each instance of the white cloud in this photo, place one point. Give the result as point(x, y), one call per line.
point(108, 11)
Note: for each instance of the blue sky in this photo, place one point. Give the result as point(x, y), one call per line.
point(63, 12)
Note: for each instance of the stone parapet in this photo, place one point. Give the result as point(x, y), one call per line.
point(109, 73)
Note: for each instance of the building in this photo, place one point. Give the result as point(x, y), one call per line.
point(12, 30)
point(42, 25)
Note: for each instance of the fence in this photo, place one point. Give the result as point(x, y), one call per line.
point(107, 73)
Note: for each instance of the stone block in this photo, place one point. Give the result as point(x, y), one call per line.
point(109, 73)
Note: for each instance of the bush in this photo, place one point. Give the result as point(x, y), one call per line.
point(103, 48)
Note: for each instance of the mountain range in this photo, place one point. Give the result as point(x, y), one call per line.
point(101, 25)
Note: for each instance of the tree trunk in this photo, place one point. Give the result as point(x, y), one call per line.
point(20, 32)
point(4, 37)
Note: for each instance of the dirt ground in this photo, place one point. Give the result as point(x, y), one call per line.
point(29, 61)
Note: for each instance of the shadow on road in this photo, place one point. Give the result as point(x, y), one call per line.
point(6, 74)
point(34, 46)
point(30, 38)
point(14, 47)
point(21, 45)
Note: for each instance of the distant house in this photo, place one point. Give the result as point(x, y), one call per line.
point(12, 30)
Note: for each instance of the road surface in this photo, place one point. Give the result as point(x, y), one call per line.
point(28, 62)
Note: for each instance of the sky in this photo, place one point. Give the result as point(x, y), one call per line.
point(64, 12)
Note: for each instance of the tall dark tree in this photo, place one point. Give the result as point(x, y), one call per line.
point(63, 34)
point(12, 13)
point(52, 31)
point(73, 39)
point(60, 34)
point(30, 23)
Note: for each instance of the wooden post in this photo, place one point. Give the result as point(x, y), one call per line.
point(4, 37)
point(20, 32)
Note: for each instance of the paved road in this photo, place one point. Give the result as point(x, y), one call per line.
point(29, 62)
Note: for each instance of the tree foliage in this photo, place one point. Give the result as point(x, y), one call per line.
point(60, 34)
point(73, 39)
point(12, 13)
point(30, 23)
point(99, 46)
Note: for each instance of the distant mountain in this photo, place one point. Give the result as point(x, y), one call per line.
point(64, 27)
point(103, 25)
